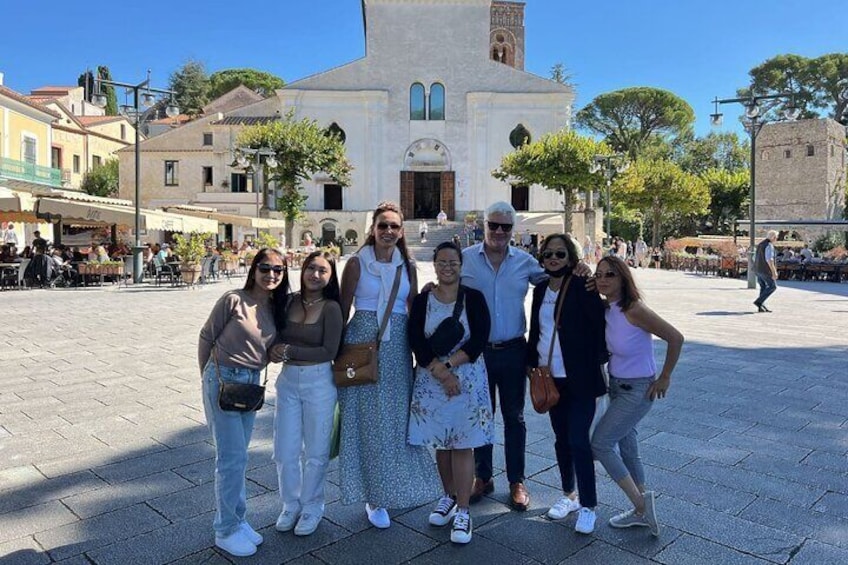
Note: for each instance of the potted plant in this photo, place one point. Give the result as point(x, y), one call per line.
point(191, 249)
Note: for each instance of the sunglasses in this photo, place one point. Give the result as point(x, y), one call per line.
point(606, 275)
point(266, 268)
point(558, 254)
point(383, 226)
point(493, 226)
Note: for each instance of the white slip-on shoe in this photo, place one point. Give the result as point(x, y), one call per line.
point(236, 544)
point(307, 524)
point(585, 521)
point(287, 520)
point(378, 516)
point(251, 534)
point(444, 511)
point(563, 507)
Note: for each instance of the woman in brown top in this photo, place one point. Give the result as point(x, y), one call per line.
point(306, 394)
point(233, 347)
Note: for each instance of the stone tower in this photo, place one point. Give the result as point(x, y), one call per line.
point(506, 36)
point(801, 171)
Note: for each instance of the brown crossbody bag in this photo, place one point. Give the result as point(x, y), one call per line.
point(543, 390)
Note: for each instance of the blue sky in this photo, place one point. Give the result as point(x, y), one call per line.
point(694, 48)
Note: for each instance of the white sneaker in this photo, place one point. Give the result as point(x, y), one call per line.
point(585, 521)
point(461, 529)
point(251, 534)
point(287, 520)
point(563, 507)
point(307, 524)
point(236, 544)
point(378, 516)
point(444, 511)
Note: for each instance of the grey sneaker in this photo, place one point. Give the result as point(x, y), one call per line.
point(628, 519)
point(651, 513)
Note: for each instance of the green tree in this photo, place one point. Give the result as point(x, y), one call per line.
point(716, 150)
point(559, 161)
point(817, 83)
point(728, 197)
point(562, 75)
point(661, 190)
point(630, 117)
point(302, 148)
point(221, 82)
point(86, 79)
point(102, 180)
point(191, 86)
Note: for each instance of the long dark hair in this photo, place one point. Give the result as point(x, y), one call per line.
point(280, 295)
point(629, 291)
point(574, 254)
point(389, 206)
point(331, 291)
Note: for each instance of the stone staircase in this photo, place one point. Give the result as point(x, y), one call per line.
point(436, 235)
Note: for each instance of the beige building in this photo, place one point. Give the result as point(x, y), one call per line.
point(801, 171)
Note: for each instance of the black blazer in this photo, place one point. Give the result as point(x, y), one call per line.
point(478, 325)
point(581, 336)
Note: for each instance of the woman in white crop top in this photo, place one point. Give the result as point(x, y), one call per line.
point(633, 387)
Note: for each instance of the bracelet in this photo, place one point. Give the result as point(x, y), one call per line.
point(286, 353)
point(448, 364)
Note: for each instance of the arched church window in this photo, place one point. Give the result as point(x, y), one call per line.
point(437, 101)
point(519, 136)
point(416, 102)
point(336, 130)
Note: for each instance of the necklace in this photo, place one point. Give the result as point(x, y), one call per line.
point(308, 303)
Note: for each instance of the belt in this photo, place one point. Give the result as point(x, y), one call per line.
point(515, 342)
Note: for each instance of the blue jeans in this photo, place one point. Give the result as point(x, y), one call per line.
point(767, 286)
point(629, 403)
point(303, 425)
point(231, 432)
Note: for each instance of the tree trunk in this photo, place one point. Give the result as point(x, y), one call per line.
point(567, 200)
point(655, 238)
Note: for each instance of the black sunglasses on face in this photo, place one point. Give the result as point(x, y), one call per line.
point(493, 226)
point(607, 275)
point(559, 254)
point(266, 268)
point(383, 226)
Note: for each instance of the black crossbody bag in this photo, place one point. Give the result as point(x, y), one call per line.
point(239, 397)
point(450, 331)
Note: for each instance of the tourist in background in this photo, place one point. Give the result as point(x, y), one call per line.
point(765, 264)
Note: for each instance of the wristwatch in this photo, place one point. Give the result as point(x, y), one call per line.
point(448, 364)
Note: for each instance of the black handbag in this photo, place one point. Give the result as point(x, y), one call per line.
point(449, 332)
point(239, 397)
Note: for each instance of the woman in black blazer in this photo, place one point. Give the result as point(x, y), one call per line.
point(579, 351)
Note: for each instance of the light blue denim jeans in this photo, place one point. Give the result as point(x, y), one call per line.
point(303, 424)
point(231, 432)
point(629, 403)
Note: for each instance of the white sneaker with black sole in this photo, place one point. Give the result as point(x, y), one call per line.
point(461, 530)
point(444, 511)
point(585, 521)
point(563, 507)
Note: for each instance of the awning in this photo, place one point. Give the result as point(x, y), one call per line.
point(168, 221)
point(12, 201)
point(234, 219)
point(88, 213)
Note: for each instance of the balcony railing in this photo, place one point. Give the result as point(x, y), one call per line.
point(21, 170)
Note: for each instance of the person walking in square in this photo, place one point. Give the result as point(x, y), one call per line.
point(422, 231)
point(765, 264)
point(376, 464)
point(451, 410)
point(233, 346)
point(567, 336)
point(306, 394)
point(633, 387)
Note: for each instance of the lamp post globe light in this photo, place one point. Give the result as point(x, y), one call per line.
point(251, 161)
point(753, 125)
point(142, 93)
point(609, 166)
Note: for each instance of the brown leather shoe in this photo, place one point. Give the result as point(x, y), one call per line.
point(481, 488)
point(519, 498)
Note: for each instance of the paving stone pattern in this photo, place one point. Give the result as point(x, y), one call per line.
point(104, 456)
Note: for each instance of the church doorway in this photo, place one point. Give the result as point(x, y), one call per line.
point(428, 187)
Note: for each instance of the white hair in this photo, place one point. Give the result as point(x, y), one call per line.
point(771, 234)
point(501, 208)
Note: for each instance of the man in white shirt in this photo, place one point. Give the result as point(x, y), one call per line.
point(9, 235)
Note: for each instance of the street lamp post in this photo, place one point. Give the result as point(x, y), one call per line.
point(610, 166)
point(141, 92)
point(754, 125)
point(251, 160)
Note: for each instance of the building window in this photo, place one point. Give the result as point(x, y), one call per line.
point(416, 102)
point(207, 139)
point(207, 176)
point(76, 164)
point(811, 150)
point(30, 150)
point(437, 101)
point(56, 157)
point(332, 197)
point(238, 182)
point(521, 197)
point(787, 153)
point(335, 129)
point(123, 131)
point(519, 136)
point(172, 173)
point(96, 161)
